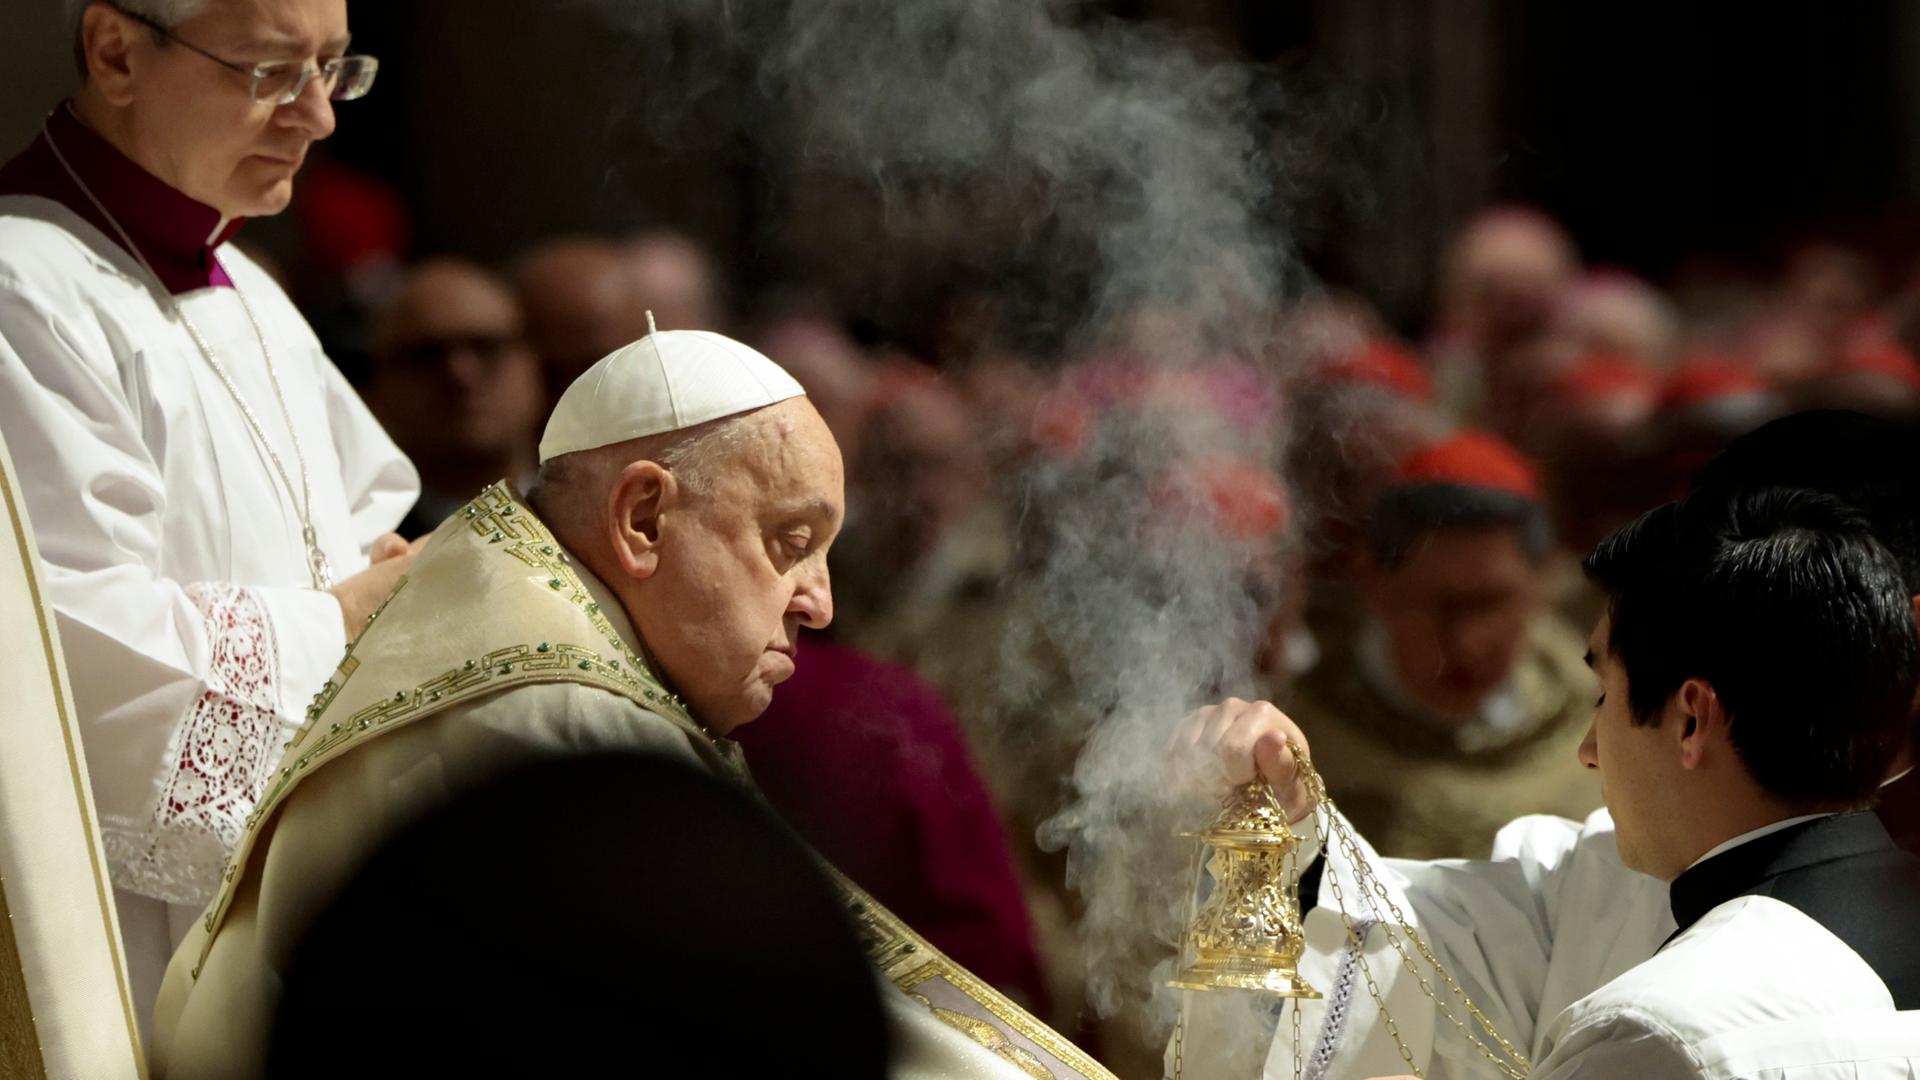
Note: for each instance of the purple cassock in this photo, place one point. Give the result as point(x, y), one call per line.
point(177, 234)
point(869, 763)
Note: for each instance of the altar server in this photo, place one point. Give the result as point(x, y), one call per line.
point(1757, 663)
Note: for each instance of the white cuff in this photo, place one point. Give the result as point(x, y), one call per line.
point(312, 634)
point(268, 652)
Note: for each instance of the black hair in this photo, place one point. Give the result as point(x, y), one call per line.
point(1783, 601)
point(1405, 514)
point(1872, 465)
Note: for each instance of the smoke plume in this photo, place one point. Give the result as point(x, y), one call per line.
point(1137, 185)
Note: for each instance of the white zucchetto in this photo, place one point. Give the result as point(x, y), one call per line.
point(666, 381)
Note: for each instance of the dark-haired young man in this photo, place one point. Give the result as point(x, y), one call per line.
point(1758, 661)
point(1757, 664)
point(1872, 465)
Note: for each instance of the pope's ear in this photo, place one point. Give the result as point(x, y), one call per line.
point(635, 507)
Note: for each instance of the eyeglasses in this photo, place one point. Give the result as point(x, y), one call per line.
point(281, 82)
point(432, 353)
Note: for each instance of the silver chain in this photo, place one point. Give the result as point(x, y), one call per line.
point(317, 564)
point(1334, 832)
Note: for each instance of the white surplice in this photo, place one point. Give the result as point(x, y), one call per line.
point(1553, 916)
point(1754, 989)
point(1560, 945)
point(194, 637)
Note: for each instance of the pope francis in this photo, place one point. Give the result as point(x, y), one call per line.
point(647, 593)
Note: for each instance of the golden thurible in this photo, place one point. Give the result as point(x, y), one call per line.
point(1247, 935)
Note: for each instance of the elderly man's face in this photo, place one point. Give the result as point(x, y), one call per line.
point(923, 470)
point(194, 122)
point(744, 566)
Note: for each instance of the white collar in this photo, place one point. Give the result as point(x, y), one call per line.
point(1755, 834)
point(1495, 721)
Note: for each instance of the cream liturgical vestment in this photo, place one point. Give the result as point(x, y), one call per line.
point(497, 647)
point(173, 550)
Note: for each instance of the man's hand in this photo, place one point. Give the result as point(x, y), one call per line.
point(362, 594)
point(1248, 739)
point(389, 546)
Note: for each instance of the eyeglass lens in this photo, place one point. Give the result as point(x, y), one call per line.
point(487, 348)
point(344, 79)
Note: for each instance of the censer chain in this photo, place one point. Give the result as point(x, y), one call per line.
point(1333, 831)
point(1368, 878)
point(1515, 1065)
point(1427, 989)
point(1299, 1054)
point(1180, 1042)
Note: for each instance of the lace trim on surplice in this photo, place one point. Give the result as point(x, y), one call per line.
point(218, 761)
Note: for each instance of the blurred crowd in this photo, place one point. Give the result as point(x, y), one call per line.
point(1409, 513)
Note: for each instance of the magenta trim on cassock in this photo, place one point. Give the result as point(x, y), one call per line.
point(177, 234)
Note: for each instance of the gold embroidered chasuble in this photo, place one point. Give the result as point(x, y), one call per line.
point(493, 604)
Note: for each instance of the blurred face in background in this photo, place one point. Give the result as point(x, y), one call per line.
point(1455, 614)
point(675, 280)
point(453, 378)
point(1617, 314)
point(581, 302)
point(1830, 288)
point(1504, 272)
point(837, 374)
point(922, 470)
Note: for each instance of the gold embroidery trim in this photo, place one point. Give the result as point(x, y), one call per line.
point(907, 960)
point(497, 517)
point(19, 1039)
point(990, 1037)
point(902, 956)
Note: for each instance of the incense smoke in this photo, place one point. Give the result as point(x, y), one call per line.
point(1143, 183)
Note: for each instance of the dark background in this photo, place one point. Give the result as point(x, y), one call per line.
point(1672, 138)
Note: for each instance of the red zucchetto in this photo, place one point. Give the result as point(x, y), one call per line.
point(1242, 499)
point(1383, 364)
point(1472, 459)
point(1881, 357)
point(1608, 377)
point(1710, 379)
